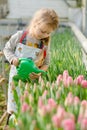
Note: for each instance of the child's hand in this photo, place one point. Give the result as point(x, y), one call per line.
point(34, 75)
point(15, 61)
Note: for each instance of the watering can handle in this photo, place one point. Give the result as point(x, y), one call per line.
point(20, 59)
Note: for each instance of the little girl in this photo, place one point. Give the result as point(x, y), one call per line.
point(31, 43)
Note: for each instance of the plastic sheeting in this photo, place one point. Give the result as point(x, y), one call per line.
point(75, 15)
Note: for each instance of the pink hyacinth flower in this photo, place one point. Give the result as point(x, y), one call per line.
point(43, 111)
point(65, 74)
point(84, 124)
point(65, 82)
point(84, 103)
point(69, 99)
point(26, 94)
point(68, 124)
point(60, 112)
point(85, 114)
point(69, 81)
point(45, 93)
point(80, 117)
point(56, 121)
point(25, 107)
point(48, 108)
point(84, 83)
point(79, 79)
point(82, 110)
point(22, 98)
point(57, 94)
point(40, 103)
point(59, 79)
point(52, 103)
point(69, 116)
point(76, 101)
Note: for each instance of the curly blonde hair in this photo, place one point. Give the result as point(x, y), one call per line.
point(46, 16)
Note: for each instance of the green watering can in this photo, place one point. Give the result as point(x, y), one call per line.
point(25, 67)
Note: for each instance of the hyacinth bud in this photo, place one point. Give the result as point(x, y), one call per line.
point(84, 124)
point(20, 123)
point(22, 99)
point(85, 114)
point(20, 83)
point(42, 84)
point(53, 85)
point(48, 127)
point(66, 102)
point(69, 115)
point(44, 94)
point(59, 79)
point(65, 74)
point(84, 83)
point(56, 121)
point(25, 107)
point(76, 101)
point(60, 113)
point(70, 94)
point(34, 123)
point(35, 87)
point(40, 102)
point(84, 104)
point(26, 94)
point(69, 99)
point(52, 103)
point(30, 98)
point(57, 95)
point(80, 117)
point(49, 108)
point(42, 111)
point(68, 124)
point(48, 84)
point(65, 82)
point(83, 107)
point(69, 81)
point(27, 86)
point(78, 80)
point(40, 79)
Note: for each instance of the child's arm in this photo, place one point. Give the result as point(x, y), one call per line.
point(44, 67)
point(46, 62)
point(41, 62)
point(9, 49)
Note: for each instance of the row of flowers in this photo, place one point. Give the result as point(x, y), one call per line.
point(52, 106)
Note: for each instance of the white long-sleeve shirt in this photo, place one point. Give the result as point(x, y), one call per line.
point(9, 49)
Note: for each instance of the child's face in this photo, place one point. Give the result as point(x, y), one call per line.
point(42, 31)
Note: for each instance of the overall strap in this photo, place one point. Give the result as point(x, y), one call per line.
point(23, 37)
point(45, 53)
point(23, 41)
